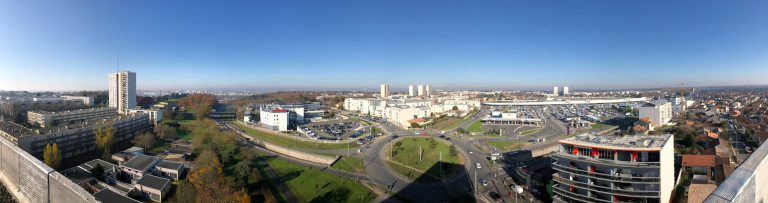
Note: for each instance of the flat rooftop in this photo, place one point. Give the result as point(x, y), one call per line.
point(76, 110)
point(169, 164)
point(107, 195)
point(634, 142)
point(153, 182)
point(17, 130)
point(140, 162)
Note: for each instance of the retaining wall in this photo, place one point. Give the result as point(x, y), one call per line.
point(295, 153)
point(30, 180)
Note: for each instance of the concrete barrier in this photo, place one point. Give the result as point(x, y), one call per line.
point(295, 153)
point(30, 180)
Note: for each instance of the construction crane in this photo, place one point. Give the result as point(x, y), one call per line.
point(682, 90)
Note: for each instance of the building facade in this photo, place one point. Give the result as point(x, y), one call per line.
point(122, 91)
point(598, 168)
point(659, 112)
point(554, 91)
point(14, 106)
point(73, 139)
point(428, 89)
point(87, 101)
point(384, 90)
point(274, 119)
point(155, 115)
point(411, 90)
point(565, 90)
point(421, 90)
point(57, 118)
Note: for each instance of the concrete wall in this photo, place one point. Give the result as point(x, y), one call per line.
point(306, 156)
point(29, 180)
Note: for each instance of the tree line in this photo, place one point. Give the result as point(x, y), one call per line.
point(200, 103)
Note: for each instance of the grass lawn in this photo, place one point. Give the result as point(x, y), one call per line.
point(292, 142)
point(357, 163)
point(530, 131)
point(312, 185)
point(159, 146)
point(505, 146)
point(410, 173)
point(447, 123)
point(475, 127)
point(408, 154)
point(598, 125)
point(341, 165)
point(181, 132)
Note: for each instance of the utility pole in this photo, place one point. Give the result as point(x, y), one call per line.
point(347, 149)
point(475, 185)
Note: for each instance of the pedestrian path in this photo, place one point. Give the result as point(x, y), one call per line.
point(289, 196)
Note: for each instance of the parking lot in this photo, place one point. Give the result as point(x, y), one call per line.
point(333, 130)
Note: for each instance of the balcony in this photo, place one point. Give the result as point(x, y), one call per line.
point(608, 177)
point(620, 164)
point(579, 197)
point(608, 190)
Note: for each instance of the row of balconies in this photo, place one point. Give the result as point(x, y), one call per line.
point(622, 192)
point(574, 195)
point(603, 176)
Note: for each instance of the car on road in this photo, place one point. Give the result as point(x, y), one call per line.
point(477, 165)
point(447, 138)
point(442, 136)
point(470, 151)
point(512, 186)
point(484, 182)
point(395, 136)
point(416, 133)
point(495, 154)
point(494, 195)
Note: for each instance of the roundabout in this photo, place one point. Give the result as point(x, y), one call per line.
point(424, 159)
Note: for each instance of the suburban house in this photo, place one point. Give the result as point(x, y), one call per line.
point(169, 169)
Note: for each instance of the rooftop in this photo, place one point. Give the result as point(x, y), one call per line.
point(153, 182)
point(169, 164)
point(110, 196)
point(140, 162)
point(76, 110)
point(698, 160)
point(654, 142)
point(698, 192)
point(17, 130)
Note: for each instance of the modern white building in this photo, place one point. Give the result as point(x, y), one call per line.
point(155, 115)
point(87, 101)
point(428, 90)
point(122, 91)
point(384, 90)
point(554, 91)
point(565, 90)
point(598, 168)
point(659, 112)
point(46, 119)
point(421, 90)
point(411, 90)
point(274, 119)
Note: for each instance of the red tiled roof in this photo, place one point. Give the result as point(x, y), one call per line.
point(416, 120)
point(698, 160)
point(761, 135)
point(707, 136)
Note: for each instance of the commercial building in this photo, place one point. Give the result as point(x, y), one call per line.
point(57, 118)
point(274, 118)
point(122, 91)
point(384, 90)
point(411, 90)
point(155, 115)
point(72, 139)
point(659, 112)
point(421, 90)
point(597, 168)
point(14, 106)
point(87, 101)
point(565, 90)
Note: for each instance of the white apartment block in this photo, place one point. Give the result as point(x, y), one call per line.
point(421, 90)
point(384, 90)
point(411, 90)
point(565, 90)
point(122, 91)
point(58, 118)
point(87, 101)
point(554, 90)
point(659, 112)
point(598, 168)
point(155, 115)
point(13, 106)
point(428, 90)
point(399, 111)
point(274, 119)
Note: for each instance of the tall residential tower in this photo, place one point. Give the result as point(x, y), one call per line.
point(122, 91)
point(411, 90)
point(384, 90)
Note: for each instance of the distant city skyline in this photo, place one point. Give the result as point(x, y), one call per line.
point(262, 46)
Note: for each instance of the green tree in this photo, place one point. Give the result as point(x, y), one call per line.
point(185, 193)
point(242, 173)
point(452, 151)
point(415, 125)
point(18, 119)
point(226, 154)
point(97, 171)
point(52, 156)
point(455, 108)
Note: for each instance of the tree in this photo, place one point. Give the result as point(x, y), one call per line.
point(242, 173)
point(415, 125)
point(164, 131)
point(97, 171)
point(452, 151)
point(201, 103)
point(455, 108)
point(105, 137)
point(185, 193)
point(18, 119)
point(146, 140)
point(210, 183)
point(52, 156)
point(226, 154)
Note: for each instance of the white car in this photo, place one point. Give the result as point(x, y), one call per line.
point(495, 154)
point(470, 151)
point(477, 165)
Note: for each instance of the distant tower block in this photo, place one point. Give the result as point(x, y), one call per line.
point(554, 91)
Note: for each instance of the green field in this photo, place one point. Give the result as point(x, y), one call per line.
point(312, 185)
point(410, 173)
point(159, 146)
point(446, 124)
point(506, 146)
point(475, 127)
point(408, 154)
point(530, 131)
point(292, 142)
point(356, 164)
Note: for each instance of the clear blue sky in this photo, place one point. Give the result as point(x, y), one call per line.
point(314, 45)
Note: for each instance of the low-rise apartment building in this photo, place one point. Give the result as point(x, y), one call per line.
point(155, 115)
point(57, 118)
point(598, 168)
point(14, 106)
point(153, 187)
point(72, 139)
point(659, 112)
point(139, 166)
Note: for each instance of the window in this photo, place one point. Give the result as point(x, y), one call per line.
point(605, 154)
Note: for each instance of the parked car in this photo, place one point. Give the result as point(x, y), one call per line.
point(495, 154)
point(494, 195)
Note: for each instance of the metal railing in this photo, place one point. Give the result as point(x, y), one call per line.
point(634, 193)
point(580, 197)
point(654, 180)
